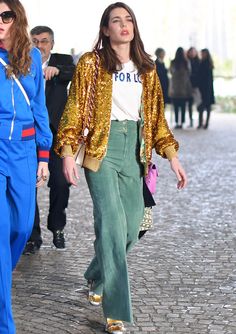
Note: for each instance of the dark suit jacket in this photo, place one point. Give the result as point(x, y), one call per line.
point(56, 88)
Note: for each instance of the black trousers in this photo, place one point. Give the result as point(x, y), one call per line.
point(179, 104)
point(58, 199)
point(201, 108)
point(190, 109)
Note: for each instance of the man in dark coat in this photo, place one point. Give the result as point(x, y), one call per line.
point(162, 73)
point(58, 71)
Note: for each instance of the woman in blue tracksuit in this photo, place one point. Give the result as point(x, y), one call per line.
point(25, 140)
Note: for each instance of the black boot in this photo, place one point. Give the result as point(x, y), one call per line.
point(59, 239)
point(200, 119)
point(207, 119)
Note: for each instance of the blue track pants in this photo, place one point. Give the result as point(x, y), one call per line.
point(18, 163)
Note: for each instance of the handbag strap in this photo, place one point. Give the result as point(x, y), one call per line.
point(18, 82)
point(91, 99)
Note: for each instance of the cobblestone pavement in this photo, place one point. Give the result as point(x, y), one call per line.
point(183, 274)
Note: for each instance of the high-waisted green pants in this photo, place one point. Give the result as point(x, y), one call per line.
point(116, 191)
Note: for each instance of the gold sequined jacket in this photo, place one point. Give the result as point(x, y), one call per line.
point(156, 132)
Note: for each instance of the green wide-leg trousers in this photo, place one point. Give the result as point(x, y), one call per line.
point(117, 195)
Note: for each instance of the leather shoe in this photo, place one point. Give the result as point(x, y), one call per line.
point(31, 247)
point(58, 239)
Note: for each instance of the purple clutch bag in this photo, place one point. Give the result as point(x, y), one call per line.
point(151, 178)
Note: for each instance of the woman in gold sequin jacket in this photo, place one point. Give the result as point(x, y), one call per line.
point(116, 93)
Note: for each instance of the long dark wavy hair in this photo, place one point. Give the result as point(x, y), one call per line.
point(110, 61)
point(180, 60)
point(19, 53)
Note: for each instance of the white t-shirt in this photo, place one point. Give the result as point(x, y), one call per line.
point(126, 94)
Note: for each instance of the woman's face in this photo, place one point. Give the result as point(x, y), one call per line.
point(5, 27)
point(162, 55)
point(193, 53)
point(204, 55)
point(120, 28)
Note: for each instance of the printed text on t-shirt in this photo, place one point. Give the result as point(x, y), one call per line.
point(127, 77)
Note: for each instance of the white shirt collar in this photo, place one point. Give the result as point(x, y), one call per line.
point(45, 64)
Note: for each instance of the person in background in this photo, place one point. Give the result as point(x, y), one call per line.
point(194, 61)
point(205, 84)
point(75, 56)
point(126, 121)
point(162, 73)
point(180, 86)
point(58, 70)
point(25, 140)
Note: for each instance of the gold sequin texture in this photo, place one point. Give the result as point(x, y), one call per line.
point(147, 221)
point(156, 131)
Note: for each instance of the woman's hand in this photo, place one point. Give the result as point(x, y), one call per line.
point(179, 172)
point(42, 173)
point(70, 170)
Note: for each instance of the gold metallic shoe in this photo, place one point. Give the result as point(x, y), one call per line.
point(114, 326)
point(94, 299)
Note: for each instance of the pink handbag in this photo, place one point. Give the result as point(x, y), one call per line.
point(151, 178)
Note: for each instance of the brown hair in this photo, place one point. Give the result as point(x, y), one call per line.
point(110, 61)
point(206, 57)
point(19, 53)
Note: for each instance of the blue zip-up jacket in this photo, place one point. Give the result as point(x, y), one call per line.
point(14, 109)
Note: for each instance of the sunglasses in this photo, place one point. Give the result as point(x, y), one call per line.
point(8, 16)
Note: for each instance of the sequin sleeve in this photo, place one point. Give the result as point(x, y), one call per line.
point(160, 135)
point(71, 124)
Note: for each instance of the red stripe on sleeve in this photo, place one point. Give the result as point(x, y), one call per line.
point(28, 132)
point(43, 154)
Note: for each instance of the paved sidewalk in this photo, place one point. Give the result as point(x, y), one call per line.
point(183, 272)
